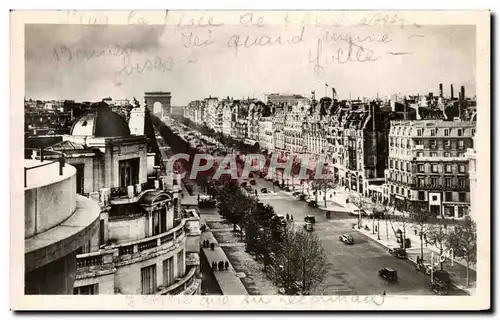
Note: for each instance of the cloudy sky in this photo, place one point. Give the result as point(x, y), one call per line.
point(89, 62)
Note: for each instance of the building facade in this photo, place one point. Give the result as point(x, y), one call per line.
point(428, 168)
point(58, 223)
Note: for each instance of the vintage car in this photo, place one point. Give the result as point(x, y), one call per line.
point(310, 218)
point(347, 239)
point(312, 204)
point(398, 253)
point(388, 274)
point(308, 226)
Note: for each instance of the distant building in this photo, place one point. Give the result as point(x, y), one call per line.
point(471, 154)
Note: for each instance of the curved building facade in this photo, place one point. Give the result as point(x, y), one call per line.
point(145, 244)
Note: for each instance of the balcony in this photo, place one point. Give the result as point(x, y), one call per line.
point(133, 250)
point(129, 194)
point(186, 285)
point(95, 264)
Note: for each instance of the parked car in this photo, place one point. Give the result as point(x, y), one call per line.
point(308, 226)
point(312, 204)
point(310, 219)
point(243, 184)
point(347, 239)
point(398, 253)
point(301, 197)
point(264, 190)
point(388, 274)
point(248, 188)
point(295, 193)
point(252, 182)
point(377, 215)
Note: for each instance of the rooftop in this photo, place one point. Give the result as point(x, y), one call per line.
point(42, 173)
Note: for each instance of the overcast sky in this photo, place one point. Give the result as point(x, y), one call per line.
point(67, 61)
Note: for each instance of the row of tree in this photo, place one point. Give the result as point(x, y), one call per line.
point(293, 258)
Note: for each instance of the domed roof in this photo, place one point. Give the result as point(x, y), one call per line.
point(102, 122)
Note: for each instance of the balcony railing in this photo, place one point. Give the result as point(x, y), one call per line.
point(152, 242)
point(41, 154)
point(181, 284)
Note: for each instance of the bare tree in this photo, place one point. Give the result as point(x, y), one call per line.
point(438, 236)
point(361, 203)
point(463, 241)
point(301, 263)
point(404, 223)
point(421, 223)
point(323, 185)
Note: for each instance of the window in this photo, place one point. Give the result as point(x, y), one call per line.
point(434, 181)
point(461, 168)
point(419, 132)
point(447, 182)
point(397, 190)
point(473, 132)
point(92, 289)
point(434, 198)
point(418, 142)
point(447, 143)
point(432, 143)
point(434, 168)
point(168, 271)
point(421, 182)
point(391, 164)
point(447, 154)
point(448, 196)
point(148, 279)
point(461, 212)
point(434, 154)
point(397, 165)
point(421, 195)
point(461, 196)
point(459, 132)
point(392, 189)
point(101, 232)
point(408, 166)
point(460, 144)
point(447, 168)
point(420, 168)
point(420, 154)
point(180, 264)
point(462, 182)
point(446, 132)
point(433, 132)
point(129, 172)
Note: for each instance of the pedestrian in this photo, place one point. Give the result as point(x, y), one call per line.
point(292, 217)
point(220, 265)
point(226, 265)
point(383, 293)
point(287, 216)
point(214, 266)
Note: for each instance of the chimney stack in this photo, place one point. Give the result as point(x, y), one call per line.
point(451, 91)
point(462, 92)
point(333, 93)
point(441, 90)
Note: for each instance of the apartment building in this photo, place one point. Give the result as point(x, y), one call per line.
point(293, 127)
point(266, 134)
point(428, 168)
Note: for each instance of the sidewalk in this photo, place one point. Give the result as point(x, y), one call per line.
point(228, 282)
point(388, 239)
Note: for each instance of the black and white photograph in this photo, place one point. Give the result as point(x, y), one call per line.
point(251, 159)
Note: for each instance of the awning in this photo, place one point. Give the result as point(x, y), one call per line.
point(250, 142)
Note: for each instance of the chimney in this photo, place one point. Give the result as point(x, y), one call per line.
point(462, 92)
point(441, 90)
point(451, 91)
point(333, 93)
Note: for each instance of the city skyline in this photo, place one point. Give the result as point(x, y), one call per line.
point(86, 63)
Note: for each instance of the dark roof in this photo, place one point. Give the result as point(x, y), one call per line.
point(152, 196)
point(101, 122)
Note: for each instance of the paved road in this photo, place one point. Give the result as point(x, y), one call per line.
point(354, 269)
